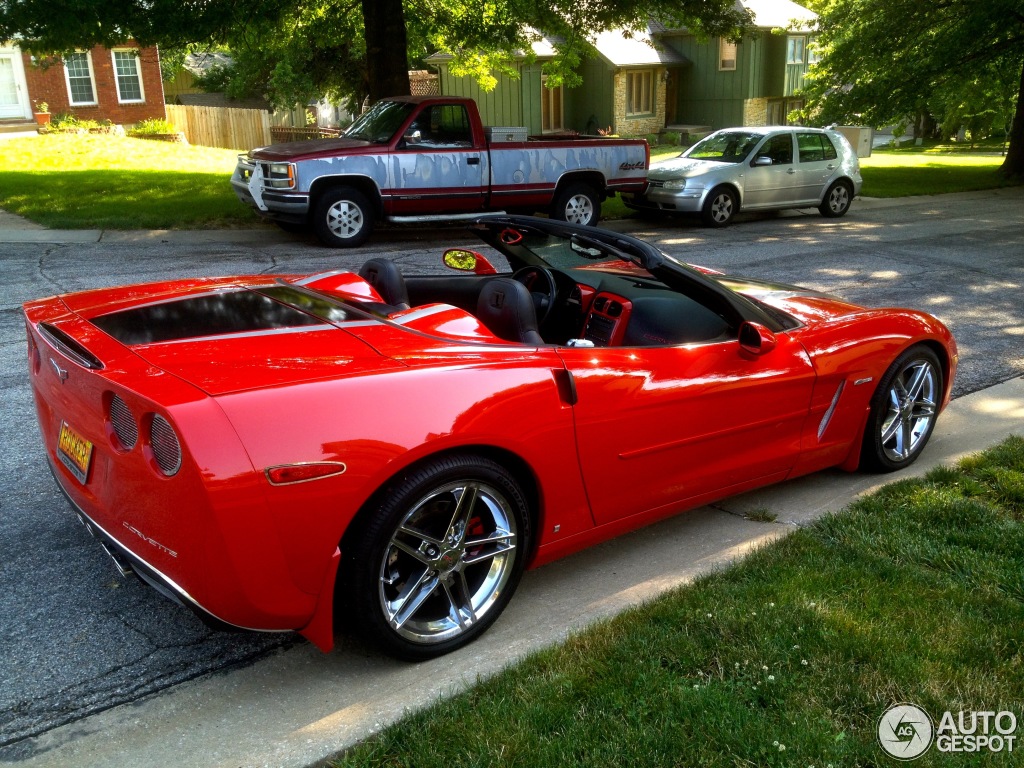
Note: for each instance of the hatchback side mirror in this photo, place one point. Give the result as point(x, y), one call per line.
point(761, 160)
point(755, 339)
point(468, 261)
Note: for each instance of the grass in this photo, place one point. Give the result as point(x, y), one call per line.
point(69, 181)
point(789, 658)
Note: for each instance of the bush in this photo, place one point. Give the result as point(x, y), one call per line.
point(152, 126)
point(65, 122)
point(670, 139)
point(652, 139)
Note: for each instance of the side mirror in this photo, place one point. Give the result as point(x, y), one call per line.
point(755, 339)
point(761, 160)
point(468, 261)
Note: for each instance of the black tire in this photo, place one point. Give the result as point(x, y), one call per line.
point(421, 596)
point(577, 203)
point(342, 218)
point(837, 199)
point(720, 207)
point(903, 411)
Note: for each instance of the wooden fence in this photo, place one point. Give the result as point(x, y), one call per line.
point(240, 129)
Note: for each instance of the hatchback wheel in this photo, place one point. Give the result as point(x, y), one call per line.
point(837, 200)
point(719, 208)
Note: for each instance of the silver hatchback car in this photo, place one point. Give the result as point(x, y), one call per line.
point(754, 169)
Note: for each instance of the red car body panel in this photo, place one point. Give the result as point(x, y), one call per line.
point(604, 439)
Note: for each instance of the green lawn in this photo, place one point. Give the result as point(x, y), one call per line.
point(789, 658)
point(70, 181)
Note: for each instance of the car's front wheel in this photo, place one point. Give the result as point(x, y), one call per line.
point(342, 218)
point(903, 411)
point(437, 560)
point(837, 200)
point(719, 207)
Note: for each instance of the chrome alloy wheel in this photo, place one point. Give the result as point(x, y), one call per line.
point(448, 562)
point(912, 408)
point(345, 219)
point(579, 209)
point(839, 199)
point(721, 207)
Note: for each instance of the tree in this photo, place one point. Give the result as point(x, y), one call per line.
point(887, 59)
point(305, 48)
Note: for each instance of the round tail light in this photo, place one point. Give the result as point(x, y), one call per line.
point(123, 422)
point(165, 445)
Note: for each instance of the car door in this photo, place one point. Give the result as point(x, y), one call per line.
point(657, 426)
point(435, 167)
point(773, 185)
point(818, 161)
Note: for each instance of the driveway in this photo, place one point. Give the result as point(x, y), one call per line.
point(80, 640)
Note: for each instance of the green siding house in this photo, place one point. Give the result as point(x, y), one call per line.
point(658, 79)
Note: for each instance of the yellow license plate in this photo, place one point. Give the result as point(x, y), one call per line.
point(74, 452)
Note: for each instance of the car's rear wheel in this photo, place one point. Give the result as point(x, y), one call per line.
point(837, 200)
point(437, 560)
point(342, 218)
point(720, 207)
point(903, 411)
point(577, 204)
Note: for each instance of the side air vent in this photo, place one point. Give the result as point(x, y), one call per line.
point(123, 422)
point(599, 330)
point(600, 303)
point(614, 309)
point(165, 445)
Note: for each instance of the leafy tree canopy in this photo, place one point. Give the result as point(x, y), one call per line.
point(293, 50)
point(885, 60)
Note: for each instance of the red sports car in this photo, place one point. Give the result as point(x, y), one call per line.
point(276, 452)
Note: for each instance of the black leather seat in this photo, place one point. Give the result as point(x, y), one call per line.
point(386, 278)
point(506, 307)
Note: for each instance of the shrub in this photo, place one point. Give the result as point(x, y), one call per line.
point(652, 139)
point(65, 122)
point(671, 139)
point(153, 126)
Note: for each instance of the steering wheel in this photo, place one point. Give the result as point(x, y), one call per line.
point(541, 284)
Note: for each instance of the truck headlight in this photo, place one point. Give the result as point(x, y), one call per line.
point(279, 175)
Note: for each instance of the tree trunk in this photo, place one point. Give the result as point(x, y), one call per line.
point(387, 63)
point(1013, 165)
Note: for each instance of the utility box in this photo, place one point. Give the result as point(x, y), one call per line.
point(861, 137)
point(505, 134)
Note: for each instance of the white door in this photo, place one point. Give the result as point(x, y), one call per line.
point(13, 91)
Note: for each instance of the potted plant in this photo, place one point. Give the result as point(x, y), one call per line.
point(42, 113)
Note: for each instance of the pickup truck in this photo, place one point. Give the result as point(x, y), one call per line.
point(428, 158)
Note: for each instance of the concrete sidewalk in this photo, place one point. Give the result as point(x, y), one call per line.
point(299, 706)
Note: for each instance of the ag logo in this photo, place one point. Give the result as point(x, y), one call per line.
point(905, 731)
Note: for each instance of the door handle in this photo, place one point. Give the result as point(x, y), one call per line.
point(791, 171)
point(830, 167)
point(473, 161)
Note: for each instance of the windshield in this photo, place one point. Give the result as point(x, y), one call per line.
point(729, 147)
point(380, 122)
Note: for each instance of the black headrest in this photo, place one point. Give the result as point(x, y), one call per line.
point(386, 278)
point(506, 308)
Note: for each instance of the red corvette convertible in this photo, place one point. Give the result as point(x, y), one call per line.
point(273, 452)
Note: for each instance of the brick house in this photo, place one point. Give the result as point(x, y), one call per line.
point(121, 84)
point(659, 79)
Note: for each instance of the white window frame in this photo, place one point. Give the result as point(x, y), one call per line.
point(725, 48)
point(813, 54)
point(138, 75)
point(92, 81)
point(795, 43)
point(634, 77)
point(556, 118)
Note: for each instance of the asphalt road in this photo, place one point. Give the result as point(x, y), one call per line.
point(78, 639)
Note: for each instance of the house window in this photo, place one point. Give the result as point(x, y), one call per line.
point(129, 79)
point(81, 85)
point(813, 53)
point(726, 56)
point(640, 92)
point(795, 50)
point(552, 118)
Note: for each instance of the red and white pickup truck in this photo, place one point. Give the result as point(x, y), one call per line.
point(429, 158)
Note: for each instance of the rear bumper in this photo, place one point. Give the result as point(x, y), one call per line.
point(127, 562)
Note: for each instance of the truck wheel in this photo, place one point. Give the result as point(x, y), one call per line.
point(577, 204)
point(342, 218)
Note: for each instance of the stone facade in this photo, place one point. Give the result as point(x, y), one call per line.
point(755, 112)
point(639, 125)
point(47, 82)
